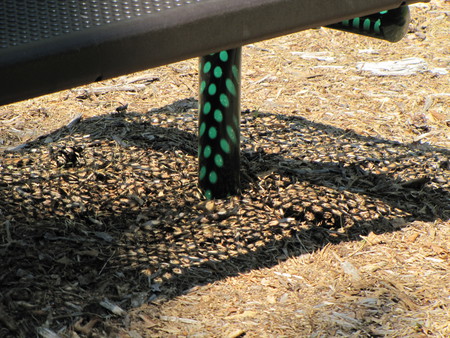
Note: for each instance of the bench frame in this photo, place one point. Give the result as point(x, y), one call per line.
point(57, 45)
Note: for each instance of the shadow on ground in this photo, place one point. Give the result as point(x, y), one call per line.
point(108, 209)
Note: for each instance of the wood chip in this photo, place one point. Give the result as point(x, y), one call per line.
point(373, 239)
point(179, 319)
point(245, 314)
point(117, 310)
point(236, 334)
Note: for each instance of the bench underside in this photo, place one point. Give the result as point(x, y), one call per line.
point(47, 46)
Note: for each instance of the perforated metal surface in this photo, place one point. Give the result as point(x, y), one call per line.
point(50, 45)
point(22, 22)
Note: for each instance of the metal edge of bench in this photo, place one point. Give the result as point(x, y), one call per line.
point(103, 52)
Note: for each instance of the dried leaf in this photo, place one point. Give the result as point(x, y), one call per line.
point(87, 328)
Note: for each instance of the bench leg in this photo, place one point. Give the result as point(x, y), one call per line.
point(219, 124)
point(391, 25)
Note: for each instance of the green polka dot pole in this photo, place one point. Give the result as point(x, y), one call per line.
point(219, 123)
point(389, 25)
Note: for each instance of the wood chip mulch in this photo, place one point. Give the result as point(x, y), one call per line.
point(109, 208)
point(341, 229)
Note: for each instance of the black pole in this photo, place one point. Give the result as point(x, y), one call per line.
point(219, 123)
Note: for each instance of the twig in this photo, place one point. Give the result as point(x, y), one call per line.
point(107, 261)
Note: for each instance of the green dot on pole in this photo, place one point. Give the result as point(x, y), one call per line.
point(377, 26)
point(367, 25)
point(235, 71)
point(218, 72)
point(208, 194)
point(212, 89)
point(202, 86)
point(230, 86)
point(202, 173)
point(218, 160)
point(206, 108)
point(207, 152)
point(202, 129)
point(224, 100)
point(231, 134)
point(213, 177)
point(223, 56)
point(212, 132)
point(225, 146)
point(218, 116)
point(207, 67)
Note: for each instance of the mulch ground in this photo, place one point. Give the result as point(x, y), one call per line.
point(342, 227)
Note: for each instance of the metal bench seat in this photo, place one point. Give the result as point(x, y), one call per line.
point(47, 46)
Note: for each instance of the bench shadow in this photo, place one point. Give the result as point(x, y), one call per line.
point(108, 208)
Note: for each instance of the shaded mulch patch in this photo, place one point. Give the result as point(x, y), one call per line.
point(108, 210)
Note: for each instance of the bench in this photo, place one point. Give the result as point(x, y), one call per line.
point(48, 46)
